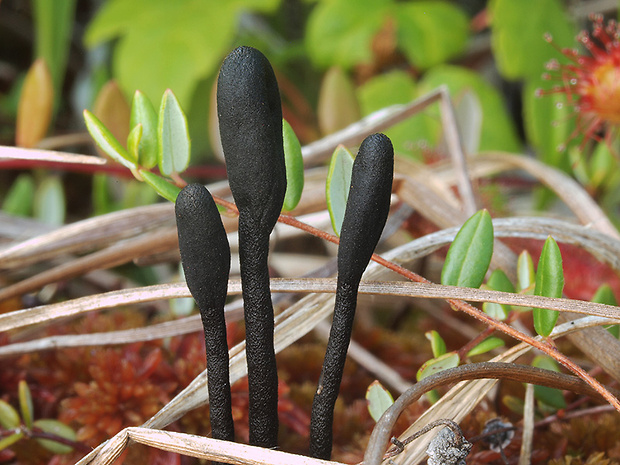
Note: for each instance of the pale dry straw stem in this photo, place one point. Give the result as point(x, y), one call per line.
point(202, 448)
point(113, 299)
point(19, 153)
point(528, 426)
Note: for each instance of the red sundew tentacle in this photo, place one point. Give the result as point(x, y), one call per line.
point(590, 82)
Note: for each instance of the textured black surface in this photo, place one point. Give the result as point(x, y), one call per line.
point(205, 255)
point(365, 216)
point(250, 117)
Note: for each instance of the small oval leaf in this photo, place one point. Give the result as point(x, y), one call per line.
point(172, 136)
point(605, 295)
point(294, 167)
point(59, 429)
point(550, 396)
point(19, 198)
point(470, 254)
point(142, 112)
point(8, 441)
point(435, 365)
point(133, 142)
point(49, 201)
point(337, 185)
point(438, 346)
point(338, 105)
point(36, 102)
point(498, 281)
point(112, 109)
point(106, 141)
point(549, 283)
point(485, 346)
point(379, 400)
point(25, 403)
point(164, 188)
point(526, 276)
point(9, 418)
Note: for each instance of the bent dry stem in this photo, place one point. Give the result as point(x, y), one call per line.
point(367, 209)
point(205, 255)
point(250, 117)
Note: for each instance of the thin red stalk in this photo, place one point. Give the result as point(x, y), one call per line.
point(462, 306)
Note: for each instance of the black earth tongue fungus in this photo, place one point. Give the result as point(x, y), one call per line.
point(250, 116)
point(367, 210)
point(205, 255)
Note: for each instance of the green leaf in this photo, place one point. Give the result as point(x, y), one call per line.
point(164, 188)
point(470, 254)
point(397, 87)
point(106, 141)
point(49, 201)
point(179, 42)
point(133, 142)
point(8, 441)
point(438, 346)
point(340, 32)
point(337, 185)
point(550, 396)
point(605, 295)
point(379, 400)
point(431, 32)
point(549, 123)
point(54, 25)
point(142, 112)
point(549, 283)
point(19, 198)
point(526, 276)
point(59, 429)
point(172, 136)
point(435, 365)
point(485, 346)
point(294, 167)
point(498, 281)
point(9, 418)
point(602, 165)
point(337, 107)
point(25, 403)
point(498, 131)
point(517, 35)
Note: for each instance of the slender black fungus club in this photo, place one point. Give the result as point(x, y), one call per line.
point(250, 116)
point(367, 210)
point(205, 255)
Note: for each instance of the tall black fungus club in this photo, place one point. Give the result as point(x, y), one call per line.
point(367, 210)
point(205, 255)
point(250, 115)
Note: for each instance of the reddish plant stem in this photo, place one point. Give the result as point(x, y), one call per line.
point(544, 346)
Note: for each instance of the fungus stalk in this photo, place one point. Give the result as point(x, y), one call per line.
point(367, 210)
point(250, 117)
point(205, 255)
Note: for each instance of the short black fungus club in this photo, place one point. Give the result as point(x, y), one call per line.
point(205, 255)
point(250, 118)
point(366, 212)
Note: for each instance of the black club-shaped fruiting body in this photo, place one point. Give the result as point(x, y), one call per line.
point(366, 212)
point(205, 255)
point(250, 118)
